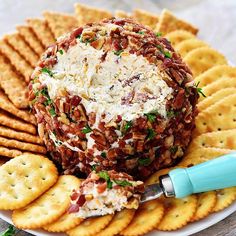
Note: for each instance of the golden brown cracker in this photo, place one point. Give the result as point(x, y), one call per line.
point(60, 23)
point(202, 59)
point(202, 154)
point(64, 223)
point(215, 73)
point(91, 226)
point(178, 36)
point(29, 36)
point(12, 84)
point(6, 105)
point(7, 120)
point(219, 116)
point(178, 212)
point(16, 60)
point(8, 152)
point(145, 18)
point(122, 14)
point(11, 133)
point(25, 178)
point(3, 160)
point(42, 31)
point(216, 97)
point(48, 207)
point(205, 204)
point(119, 222)
point(146, 218)
point(168, 22)
point(19, 44)
point(11, 143)
point(225, 197)
point(216, 86)
point(86, 14)
point(188, 45)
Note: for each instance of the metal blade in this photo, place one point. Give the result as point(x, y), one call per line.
point(152, 191)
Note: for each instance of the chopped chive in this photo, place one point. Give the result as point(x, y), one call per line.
point(199, 90)
point(86, 129)
point(104, 175)
point(52, 112)
point(94, 167)
point(151, 116)
point(123, 183)
point(109, 184)
point(61, 51)
point(117, 53)
point(173, 149)
point(128, 125)
point(158, 34)
point(140, 32)
point(103, 154)
point(144, 161)
point(167, 54)
point(47, 71)
point(150, 134)
point(170, 113)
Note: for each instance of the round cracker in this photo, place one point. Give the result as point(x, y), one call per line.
point(148, 215)
point(49, 207)
point(224, 198)
point(64, 223)
point(205, 204)
point(119, 222)
point(178, 212)
point(177, 36)
point(91, 226)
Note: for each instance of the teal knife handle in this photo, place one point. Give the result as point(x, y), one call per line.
point(211, 175)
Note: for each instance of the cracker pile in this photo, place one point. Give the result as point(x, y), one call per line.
point(29, 175)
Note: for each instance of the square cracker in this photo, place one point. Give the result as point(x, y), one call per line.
point(168, 22)
point(7, 120)
point(6, 105)
point(145, 18)
point(22, 136)
point(42, 31)
point(86, 14)
point(12, 84)
point(29, 36)
point(9, 152)
point(25, 178)
point(16, 60)
point(60, 23)
point(49, 207)
point(12, 143)
point(219, 116)
point(19, 44)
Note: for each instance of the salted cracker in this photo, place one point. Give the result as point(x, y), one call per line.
point(48, 207)
point(20, 45)
point(145, 18)
point(86, 14)
point(122, 14)
point(12, 84)
point(42, 31)
point(178, 36)
point(30, 37)
point(9, 152)
point(202, 59)
point(25, 178)
point(169, 22)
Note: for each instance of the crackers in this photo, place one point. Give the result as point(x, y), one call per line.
point(178, 36)
point(188, 45)
point(91, 226)
point(168, 22)
point(20, 183)
point(60, 23)
point(146, 218)
point(49, 207)
point(86, 14)
point(122, 14)
point(202, 59)
point(8, 152)
point(146, 18)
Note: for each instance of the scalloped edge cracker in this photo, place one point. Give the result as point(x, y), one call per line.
point(25, 178)
point(48, 207)
point(122, 14)
point(19, 44)
point(219, 116)
point(202, 59)
point(42, 31)
point(86, 14)
point(178, 36)
point(169, 22)
point(8, 152)
point(145, 18)
point(12, 84)
point(60, 23)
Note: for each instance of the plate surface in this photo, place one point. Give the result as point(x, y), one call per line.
point(187, 230)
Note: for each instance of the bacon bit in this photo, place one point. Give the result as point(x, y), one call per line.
point(75, 101)
point(81, 200)
point(74, 195)
point(102, 187)
point(73, 208)
point(118, 119)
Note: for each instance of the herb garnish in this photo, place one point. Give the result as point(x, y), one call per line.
point(199, 90)
point(167, 54)
point(117, 53)
point(61, 51)
point(151, 116)
point(9, 232)
point(86, 41)
point(103, 154)
point(173, 149)
point(150, 134)
point(86, 129)
point(47, 71)
point(128, 125)
point(104, 175)
point(123, 183)
point(52, 112)
point(158, 34)
point(144, 161)
point(94, 167)
point(140, 32)
point(170, 113)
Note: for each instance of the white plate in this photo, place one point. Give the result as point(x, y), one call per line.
point(187, 230)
